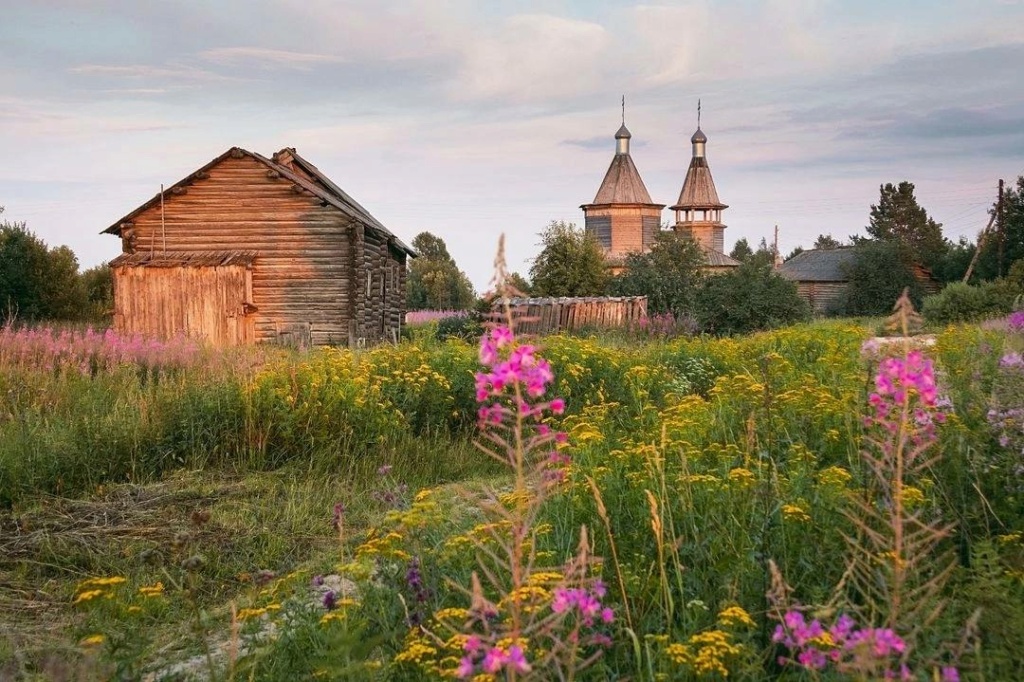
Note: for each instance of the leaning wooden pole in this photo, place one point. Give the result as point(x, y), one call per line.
point(977, 251)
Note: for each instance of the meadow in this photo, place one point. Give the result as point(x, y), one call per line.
point(795, 504)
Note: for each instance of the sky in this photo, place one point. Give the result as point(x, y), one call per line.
point(473, 118)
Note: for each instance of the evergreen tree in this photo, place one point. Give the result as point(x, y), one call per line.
point(669, 275)
point(897, 218)
point(827, 241)
point(1012, 237)
point(570, 263)
point(741, 251)
point(435, 281)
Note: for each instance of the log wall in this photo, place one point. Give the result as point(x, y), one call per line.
point(551, 315)
point(822, 296)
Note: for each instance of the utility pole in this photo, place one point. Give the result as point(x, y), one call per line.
point(775, 248)
point(984, 233)
point(999, 227)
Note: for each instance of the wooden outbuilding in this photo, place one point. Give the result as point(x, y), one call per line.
point(822, 276)
point(249, 249)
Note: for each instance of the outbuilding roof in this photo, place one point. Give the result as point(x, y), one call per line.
point(819, 265)
point(320, 186)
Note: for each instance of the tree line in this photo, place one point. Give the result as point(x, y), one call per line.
point(39, 282)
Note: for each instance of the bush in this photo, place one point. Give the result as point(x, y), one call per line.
point(878, 275)
point(961, 302)
point(751, 298)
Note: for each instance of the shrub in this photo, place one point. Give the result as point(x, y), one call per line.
point(750, 299)
point(877, 277)
point(960, 302)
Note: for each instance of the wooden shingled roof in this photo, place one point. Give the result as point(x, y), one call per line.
point(698, 190)
point(316, 183)
point(146, 259)
point(622, 184)
point(717, 259)
point(819, 265)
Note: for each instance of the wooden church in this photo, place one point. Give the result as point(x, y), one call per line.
point(623, 219)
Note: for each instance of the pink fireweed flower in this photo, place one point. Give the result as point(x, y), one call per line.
point(515, 659)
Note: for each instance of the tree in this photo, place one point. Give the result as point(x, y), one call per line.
point(36, 282)
point(955, 261)
point(1012, 237)
point(669, 275)
point(797, 250)
point(435, 281)
point(827, 241)
point(99, 292)
point(519, 283)
point(897, 218)
point(741, 251)
point(752, 297)
point(879, 273)
point(570, 263)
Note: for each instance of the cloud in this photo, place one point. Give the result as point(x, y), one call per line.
point(265, 58)
point(533, 58)
point(146, 72)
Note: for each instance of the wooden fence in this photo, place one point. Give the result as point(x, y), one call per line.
point(550, 315)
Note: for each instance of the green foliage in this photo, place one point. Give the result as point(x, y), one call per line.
point(518, 283)
point(37, 282)
point(435, 281)
point(467, 328)
point(797, 250)
point(741, 251)
point(669, 275)
point(99, 293)
point(570, 263)
point(898, 218)
point(959, 302)
point(753, 297)
point(954, 262)
point(879, 274)
point(827, 241)
point(1012, 237)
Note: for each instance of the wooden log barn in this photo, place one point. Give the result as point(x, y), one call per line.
point(249, 249)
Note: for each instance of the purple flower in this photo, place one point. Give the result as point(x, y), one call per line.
point(949, 673)
point(330, 600)
point(318, 580)
point(384, 470)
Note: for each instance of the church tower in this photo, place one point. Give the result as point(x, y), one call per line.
point(622, 218)
point(699, 210)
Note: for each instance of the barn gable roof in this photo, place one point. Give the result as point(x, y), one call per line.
point(819, 265)
point(324, 190)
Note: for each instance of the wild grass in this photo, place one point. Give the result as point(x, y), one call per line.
point(696, 463)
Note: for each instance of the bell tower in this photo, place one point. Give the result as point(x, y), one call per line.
point(699, 210)
point(622, 218)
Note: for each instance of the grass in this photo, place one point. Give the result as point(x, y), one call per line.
point(695, 461)
point(238, 524)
